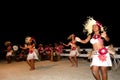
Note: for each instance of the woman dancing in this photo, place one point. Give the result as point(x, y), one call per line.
point(100, 58)
point(74, 50)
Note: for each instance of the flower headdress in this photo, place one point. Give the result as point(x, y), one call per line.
point(7, 43)
point(29, 39)
point(89, 23)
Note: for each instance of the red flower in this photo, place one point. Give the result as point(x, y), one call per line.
point(30, 51)
point(96, 36)
point(98, 24)
point(103, 51)
point(102, 57)
point(73, 48)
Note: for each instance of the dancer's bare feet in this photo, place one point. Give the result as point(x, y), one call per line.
point(76, 66)
point(31, 69)
point(72, 65)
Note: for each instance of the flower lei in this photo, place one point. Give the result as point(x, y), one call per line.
point(96, 36)
point(102, 53)
point(73, 48)
point(30, 51)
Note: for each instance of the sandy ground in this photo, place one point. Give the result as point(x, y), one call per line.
point(47, 70)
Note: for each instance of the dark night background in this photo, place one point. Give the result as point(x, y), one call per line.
point(49, 26)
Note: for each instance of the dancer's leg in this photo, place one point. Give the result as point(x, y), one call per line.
point(104, 73)
point(95, 71)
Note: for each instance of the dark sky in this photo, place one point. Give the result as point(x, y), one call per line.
point(49, 26)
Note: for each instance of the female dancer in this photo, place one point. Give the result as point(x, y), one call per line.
point(73, 51)
point(100, 58)
point(32, 56)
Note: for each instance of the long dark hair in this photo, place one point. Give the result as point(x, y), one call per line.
point(99, 31)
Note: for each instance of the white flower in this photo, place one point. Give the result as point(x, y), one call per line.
point(15, 47)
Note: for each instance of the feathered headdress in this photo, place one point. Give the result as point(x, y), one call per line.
point(89, 24)
point(70, 36)
point(7, 43)
point(29, 39)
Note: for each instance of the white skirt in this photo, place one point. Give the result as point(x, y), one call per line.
point(97, 62)
point(74, 52)
point(9, 54)
point(32, 56)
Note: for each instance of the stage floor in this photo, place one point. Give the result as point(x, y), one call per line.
point(48, 70)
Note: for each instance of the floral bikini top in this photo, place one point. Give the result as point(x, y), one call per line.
point(96, 39)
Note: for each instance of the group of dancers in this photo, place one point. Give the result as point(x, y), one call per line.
point(100, 54)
